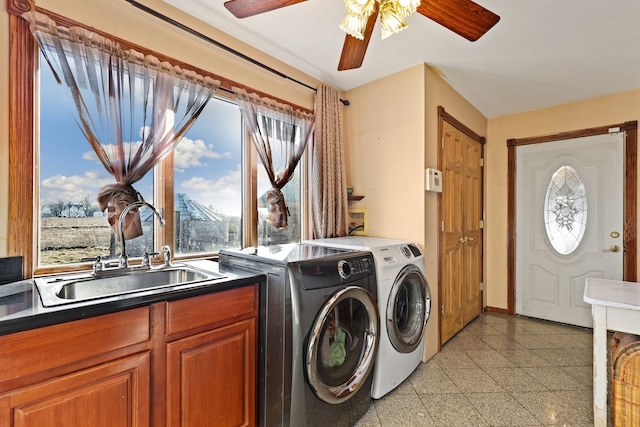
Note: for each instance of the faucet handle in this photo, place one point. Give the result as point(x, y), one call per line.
point(166, 255)
point(98, 265)
point(146, 258)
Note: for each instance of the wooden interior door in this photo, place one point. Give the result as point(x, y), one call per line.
point(461, 212)
point(472, 230)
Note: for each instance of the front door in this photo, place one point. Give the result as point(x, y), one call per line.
point(569, 223)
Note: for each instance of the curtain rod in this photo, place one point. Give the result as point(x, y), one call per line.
point(215, 42)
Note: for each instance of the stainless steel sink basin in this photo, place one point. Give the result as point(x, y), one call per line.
point(66, 289)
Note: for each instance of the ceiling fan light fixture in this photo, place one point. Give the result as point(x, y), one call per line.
point(393, 14)
point(354, 25)
point(360, 7)
point(464, 17)
point(358, 13)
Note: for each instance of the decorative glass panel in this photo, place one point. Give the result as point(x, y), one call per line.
point(565, 210)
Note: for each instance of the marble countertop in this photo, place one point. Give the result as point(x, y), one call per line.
point(612, 293)
point(21, 307)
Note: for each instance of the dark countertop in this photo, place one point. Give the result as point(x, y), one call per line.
point(21, 308)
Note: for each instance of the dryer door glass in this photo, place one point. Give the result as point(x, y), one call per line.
point(343, 344)
point(408, 309)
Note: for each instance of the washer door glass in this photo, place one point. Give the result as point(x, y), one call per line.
point(343, 344)
point(408, 309)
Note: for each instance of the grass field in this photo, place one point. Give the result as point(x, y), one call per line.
point(69, 240)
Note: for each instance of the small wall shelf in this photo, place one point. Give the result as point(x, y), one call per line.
point(354, 198)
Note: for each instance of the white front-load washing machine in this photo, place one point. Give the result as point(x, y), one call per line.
point(404, 302)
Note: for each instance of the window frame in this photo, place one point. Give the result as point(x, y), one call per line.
point(23, 153)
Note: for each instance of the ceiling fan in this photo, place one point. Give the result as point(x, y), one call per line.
point(463, 17)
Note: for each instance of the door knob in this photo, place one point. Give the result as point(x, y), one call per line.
point(461, 240)
point(613, 248)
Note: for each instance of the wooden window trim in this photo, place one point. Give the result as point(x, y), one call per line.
point(22, 61)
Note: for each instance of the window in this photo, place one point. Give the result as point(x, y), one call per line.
point(268, 235)
point(208, 183)
point(565, 210)
point(207, 172)
point(71, 227)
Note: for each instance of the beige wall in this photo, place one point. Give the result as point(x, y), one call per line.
point(121, 19)
point(391, 137)
point(385, 151)
point(607, 110)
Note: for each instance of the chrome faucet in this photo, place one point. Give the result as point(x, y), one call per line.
point(124, 259)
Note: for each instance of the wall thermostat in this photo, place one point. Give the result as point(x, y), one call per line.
point(434, 180)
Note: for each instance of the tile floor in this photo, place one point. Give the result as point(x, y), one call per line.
point(498, 371)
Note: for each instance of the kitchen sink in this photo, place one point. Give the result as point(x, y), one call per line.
point(72, 288)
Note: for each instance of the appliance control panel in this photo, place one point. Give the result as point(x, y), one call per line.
point(321, 272)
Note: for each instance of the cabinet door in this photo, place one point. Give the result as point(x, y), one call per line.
point(111, 394)
point(211, 377)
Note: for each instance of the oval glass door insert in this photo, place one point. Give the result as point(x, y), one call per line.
point(565, 210)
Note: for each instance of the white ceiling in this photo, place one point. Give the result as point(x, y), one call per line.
point(541, 52)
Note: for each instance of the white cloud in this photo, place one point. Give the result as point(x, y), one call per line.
point(224, 194)
point(189, 153)
point(90, 155)
point(109, 148)
point(72, 188)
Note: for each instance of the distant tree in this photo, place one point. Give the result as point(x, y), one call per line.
point(87, 206)
point(56, 208)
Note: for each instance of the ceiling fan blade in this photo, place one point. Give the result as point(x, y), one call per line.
point(463, 17)
point(353, 49)
point(245, 8)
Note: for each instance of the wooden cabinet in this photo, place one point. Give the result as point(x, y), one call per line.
point(211, 361)
point(111, 394)
point(189, 362)
point(210, 378)
point(88, 372)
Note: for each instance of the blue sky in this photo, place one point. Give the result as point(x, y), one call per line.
point(207, 165)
